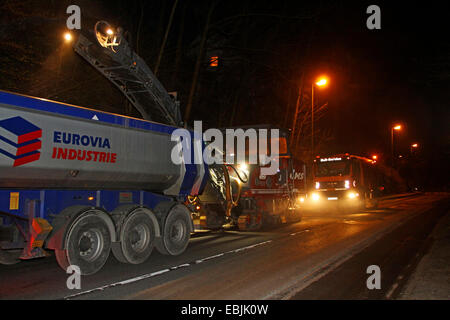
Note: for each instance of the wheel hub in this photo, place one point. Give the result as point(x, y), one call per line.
point(177, 231)
point(90, 244)
point(139, 238)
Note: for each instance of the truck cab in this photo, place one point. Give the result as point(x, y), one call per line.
point(342, 179)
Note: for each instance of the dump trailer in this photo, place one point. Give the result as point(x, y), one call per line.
point(85, 183)
point(81, 182)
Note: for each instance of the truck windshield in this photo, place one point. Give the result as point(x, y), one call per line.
point(332, 169)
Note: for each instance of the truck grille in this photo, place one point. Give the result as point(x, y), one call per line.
point(332, 184)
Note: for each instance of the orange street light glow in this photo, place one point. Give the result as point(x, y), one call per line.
point(67, 36)
point(374, 157)
point(321, 82)
point(397, 127)
point(415, 145)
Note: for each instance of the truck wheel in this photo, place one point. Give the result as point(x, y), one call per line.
point(88, 243)
point(176, 231)
point(370, 202)
point(294, 216)
point(137, 237)
point(250, 222)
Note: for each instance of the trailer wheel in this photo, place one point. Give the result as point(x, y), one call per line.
point(88, 243)
point(137, 238)
point(176, 231)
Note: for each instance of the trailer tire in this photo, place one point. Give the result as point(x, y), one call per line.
point(176, 231)
point(137, 238)
point(88, 243)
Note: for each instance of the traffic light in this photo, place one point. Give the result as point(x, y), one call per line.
point(214, 61)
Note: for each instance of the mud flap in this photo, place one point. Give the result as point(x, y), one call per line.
point(39, 230)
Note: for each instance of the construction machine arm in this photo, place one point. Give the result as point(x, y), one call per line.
point(110, 54)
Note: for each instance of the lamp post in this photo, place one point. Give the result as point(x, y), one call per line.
point(413, 146)
point(320, 83)
point(397, 128)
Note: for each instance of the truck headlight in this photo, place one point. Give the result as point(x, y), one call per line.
point(315, 196)
point(353, 195)
point(243, 167)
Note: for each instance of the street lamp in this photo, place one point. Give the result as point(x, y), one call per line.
point(397, 128)
point(414, 146)
point(67, 36)
point(320, 83)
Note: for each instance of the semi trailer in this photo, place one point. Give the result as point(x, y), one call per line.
point(81, 182)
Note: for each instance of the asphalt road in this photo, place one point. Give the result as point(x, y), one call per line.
point(325, 256)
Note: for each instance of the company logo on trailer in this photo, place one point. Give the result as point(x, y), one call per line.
point(19, 141)
point(78, 142)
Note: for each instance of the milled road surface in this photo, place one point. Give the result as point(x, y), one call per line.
point(325, 256)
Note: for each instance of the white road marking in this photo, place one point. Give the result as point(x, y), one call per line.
point(296, 233)
point(391, 291)
point(249, 247)
point(209, 258)
point(157, 273)
point(145, 276)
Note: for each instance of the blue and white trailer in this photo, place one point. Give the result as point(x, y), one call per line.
point(83, 183)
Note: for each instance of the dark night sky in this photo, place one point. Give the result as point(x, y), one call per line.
point(383, 76)
point(377, 77)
